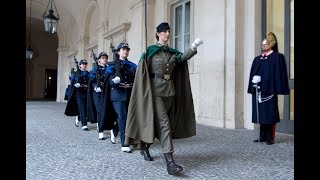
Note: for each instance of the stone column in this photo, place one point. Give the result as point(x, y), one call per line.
point(63, 64)
point(83, 41)
point(101, 45)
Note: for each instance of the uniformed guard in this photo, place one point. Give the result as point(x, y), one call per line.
point(78, 94)
point(161, 103)
point(68, 86)
point(96, 79)
point(119, 80)
point(268, 78)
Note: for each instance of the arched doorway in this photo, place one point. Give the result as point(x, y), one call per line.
point(42, 69)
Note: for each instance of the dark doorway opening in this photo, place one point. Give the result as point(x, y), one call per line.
point(50, 91)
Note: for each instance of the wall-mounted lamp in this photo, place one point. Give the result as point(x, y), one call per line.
point(51, 21)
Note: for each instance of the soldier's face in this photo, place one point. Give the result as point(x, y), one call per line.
point(103, 60)
point(123, 53)
point(83, 66)
point(164, 36)
point(264, 45)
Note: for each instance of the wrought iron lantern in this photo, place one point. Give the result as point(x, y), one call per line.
point(50, 20)
point(29, 53)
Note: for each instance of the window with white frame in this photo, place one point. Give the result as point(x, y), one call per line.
point(181, 25)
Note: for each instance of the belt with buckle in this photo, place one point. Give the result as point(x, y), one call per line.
point(160, 76)
point(124, 85)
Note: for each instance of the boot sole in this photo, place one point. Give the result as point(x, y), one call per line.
point(175, 172)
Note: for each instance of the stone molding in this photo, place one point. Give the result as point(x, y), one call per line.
point(124, 27)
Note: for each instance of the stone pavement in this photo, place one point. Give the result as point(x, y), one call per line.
point(57, 149)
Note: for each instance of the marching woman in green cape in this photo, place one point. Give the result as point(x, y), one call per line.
point(161, 104)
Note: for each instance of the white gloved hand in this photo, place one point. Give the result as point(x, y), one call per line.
point(256, 79)
point(97, 89)
point(197, 42)
point(116, 80)
point(77, 85)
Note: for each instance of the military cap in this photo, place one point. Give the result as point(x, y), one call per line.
point(123, 45)
point(102, 54)
point(83, 61)
point(163, 27)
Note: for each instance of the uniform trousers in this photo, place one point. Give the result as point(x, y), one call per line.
point(81, 98)
point(161, 106)
point(266, 132)
point(96, 99)
point(121, 109)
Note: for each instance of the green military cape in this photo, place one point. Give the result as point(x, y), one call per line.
point(140, 126)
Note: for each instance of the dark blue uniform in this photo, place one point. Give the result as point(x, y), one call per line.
point(67, 90)
point(80, 94)
point(119, 94)
point(96, 77)
point(274, 81)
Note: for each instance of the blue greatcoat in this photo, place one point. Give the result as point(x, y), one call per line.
point(72, 107)
point(94, 74)
point(116, 92)
point(274, 80)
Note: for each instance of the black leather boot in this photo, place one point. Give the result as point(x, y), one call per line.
point(262, 134)
point(172, 167)
point(269, 135)
point(270, 142)
point(145, 153)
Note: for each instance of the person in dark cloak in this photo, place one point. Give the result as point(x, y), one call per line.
point(119, 80)
point(269, 74)
point(77, 96)
point(95, 84)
